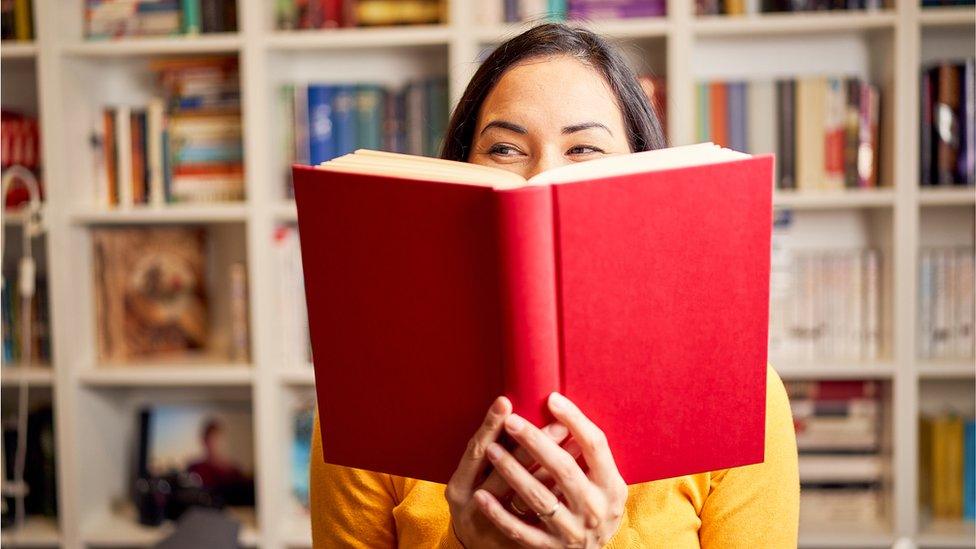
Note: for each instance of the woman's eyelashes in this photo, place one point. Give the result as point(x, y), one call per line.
point(507, 151)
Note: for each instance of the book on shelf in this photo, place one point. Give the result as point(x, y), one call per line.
point(824, 130)
point(946, 306)
point(841, 467)
point(322, 121)
point(292, 314)
point(17, 20)
point(947, 138)
point(824, 304)
point(110, 19)
point(567, 281)
point(325, 14)
point(946, 465)
point(13, 351)
point(938, 3)
point(181, 147)
point(751, 7)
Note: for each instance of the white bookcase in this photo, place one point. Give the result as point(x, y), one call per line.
point(68, 80)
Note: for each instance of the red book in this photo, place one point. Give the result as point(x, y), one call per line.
point(636, 285)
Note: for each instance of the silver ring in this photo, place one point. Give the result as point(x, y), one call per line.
point(551, 512)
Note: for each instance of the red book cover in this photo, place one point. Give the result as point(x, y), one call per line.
point(642, 297)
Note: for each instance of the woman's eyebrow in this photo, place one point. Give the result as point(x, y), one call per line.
point(584, 126)
point(505, 125)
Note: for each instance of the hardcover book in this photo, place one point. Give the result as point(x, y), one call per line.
point(637, 285)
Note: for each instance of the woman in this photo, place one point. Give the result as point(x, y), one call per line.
point(551, 96)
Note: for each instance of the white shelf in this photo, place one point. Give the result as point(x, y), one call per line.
point(360, 38)
point(943, 369)
point(947, 16)
point(142, 46)
point(947, 533)
point(122, 529)
point(37, 532)
point(836, 200)
point(205, 213)
point(792, 23)
point(298, 375)
point(12, 375)
point(286, 211)
point(298, 533)
point(831, 369)
point(830, 536)
point(177, 375)
point(947, 196)
point(10, 49)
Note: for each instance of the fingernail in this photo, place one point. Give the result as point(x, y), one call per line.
point(557, 401)
point(514, 423)
point(494, 451)
point(481, 497)
point(558, 431)
point(497, 407)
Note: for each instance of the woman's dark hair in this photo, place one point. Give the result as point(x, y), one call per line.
point(643, 127)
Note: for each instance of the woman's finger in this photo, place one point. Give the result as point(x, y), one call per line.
point(590, 438)
point(473, 461)
point(496, 484)
point(536, 495)
point(508, 524)
point(582, 495)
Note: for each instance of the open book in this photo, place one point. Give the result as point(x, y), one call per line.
point(637, 285)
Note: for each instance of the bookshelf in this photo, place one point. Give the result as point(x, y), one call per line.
point(94, 404)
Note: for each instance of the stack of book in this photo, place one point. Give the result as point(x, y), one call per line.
point(20, 145)
point(513, 11)
point(323, 121)
point(292, 314)
point(13, 353)
point(324, 14)
point(946, 303)
point(16, 20)
point(948, 124)
point(824, 130)
point(183, 147)
point(823, 304)
point(746, 7)
point(108, 19)
point(838, 426)
point(947, 465)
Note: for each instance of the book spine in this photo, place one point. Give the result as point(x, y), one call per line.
point(925, 129)
point(530, 330)
point(969, 472)
point(967, 167)
point(123, 141)
point(344, 123)
point(787, 133)
point(947, 124)
point(718, 108)
point(321, 133)
point(925, 305)
point(156, 114)
point(872, 295)
point(191, 16)
point(966, 313)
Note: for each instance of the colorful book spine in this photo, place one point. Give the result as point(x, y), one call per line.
point(321, 134)
point(344, 122)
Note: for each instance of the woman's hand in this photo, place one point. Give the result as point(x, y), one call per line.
point(594, 500)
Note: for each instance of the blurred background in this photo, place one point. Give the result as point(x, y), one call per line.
point(160, 359)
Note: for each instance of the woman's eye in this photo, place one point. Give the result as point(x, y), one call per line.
point(583, 149)
point(503, 150)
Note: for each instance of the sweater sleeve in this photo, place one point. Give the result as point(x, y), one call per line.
point(350, 508)
point(758, 505)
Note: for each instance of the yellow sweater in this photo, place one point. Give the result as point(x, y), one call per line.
point(755, 506)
